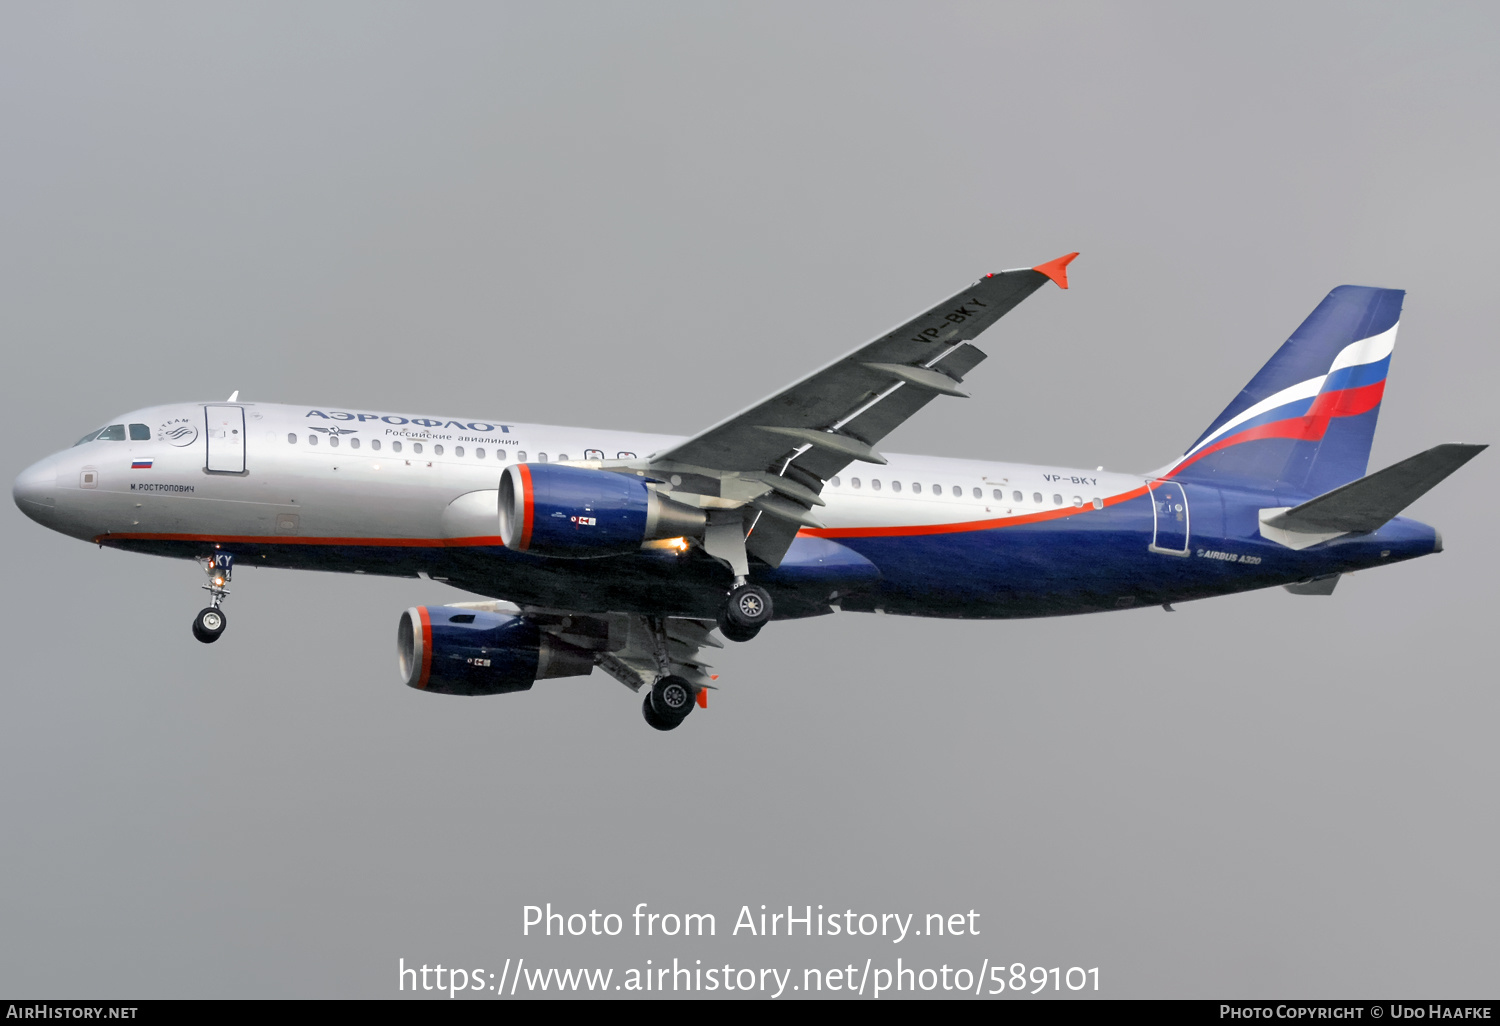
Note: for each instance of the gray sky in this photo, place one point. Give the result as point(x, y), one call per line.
point(646, 216)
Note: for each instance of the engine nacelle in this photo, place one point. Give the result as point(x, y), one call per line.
point(451, 650)
point(578, 513)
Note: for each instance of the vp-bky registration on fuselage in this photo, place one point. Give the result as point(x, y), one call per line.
point(627, 552)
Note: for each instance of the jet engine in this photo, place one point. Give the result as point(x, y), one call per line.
point(452, 650)
point(578, 513)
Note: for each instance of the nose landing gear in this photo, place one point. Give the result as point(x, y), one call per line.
point(210, 622)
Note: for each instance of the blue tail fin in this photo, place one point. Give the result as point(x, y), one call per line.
point(1306, 421)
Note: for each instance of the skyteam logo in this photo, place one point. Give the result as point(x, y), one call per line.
point(179, 431)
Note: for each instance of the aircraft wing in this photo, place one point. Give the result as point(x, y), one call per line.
point(776, 454)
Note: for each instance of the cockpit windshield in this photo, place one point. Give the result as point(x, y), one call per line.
point(113, 433)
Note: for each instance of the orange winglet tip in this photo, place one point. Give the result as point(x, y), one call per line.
point(703, 698)
point(1057, 269)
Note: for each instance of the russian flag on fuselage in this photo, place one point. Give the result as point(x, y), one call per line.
point(1307, 420)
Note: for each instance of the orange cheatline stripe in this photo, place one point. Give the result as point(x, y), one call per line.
point(968, 525)
point(487, 540)
point(281, 539)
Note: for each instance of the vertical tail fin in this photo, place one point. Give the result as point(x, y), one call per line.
point(1307, 420)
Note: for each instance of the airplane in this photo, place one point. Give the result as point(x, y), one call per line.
point(627, 551)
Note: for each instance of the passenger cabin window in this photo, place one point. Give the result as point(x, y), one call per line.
point(333, 440)
point(916, 487)
point(958, 492)
point(593, 454)
point(416, 447)
point(895, 486)
point(140, 433)
point(624, 455)
point(979, 493)
point(479, 454)
point(1036, 497)
point(854, 482)
point(875, 484)
point(437, 450)
point(500, 454)
point(458, 450)
point(521, 456)
point(834, 481)
point(354, 443)
point(291, 438)
point(998, 494)
point(1098, 503)
point(1078, 500)
point(1016, 497)
point(113, 433)
point(395, 447)
point(375, 444)
point(312, 439)
point(937, 489)
point(1057, 500)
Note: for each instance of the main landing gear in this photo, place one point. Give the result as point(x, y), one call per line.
point(209, 624)
point(746, 611)
point(669, 702)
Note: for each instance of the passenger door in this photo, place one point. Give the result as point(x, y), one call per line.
point(225, 429)
point(1169, 507)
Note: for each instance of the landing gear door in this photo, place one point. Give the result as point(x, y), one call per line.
point(226, 438)
point(1169, 507)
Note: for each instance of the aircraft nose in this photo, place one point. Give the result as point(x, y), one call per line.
point(35, 491)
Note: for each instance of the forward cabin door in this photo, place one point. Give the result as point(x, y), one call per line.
point(226, 438)
point(1169, 506)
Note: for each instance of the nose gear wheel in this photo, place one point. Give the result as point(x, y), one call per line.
point(209, 624)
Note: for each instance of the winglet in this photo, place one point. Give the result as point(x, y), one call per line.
point(1057, 269)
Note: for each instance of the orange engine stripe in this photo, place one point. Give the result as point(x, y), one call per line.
point(526, 503)
point(426, 646)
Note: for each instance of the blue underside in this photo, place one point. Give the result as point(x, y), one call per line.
point(1090, 561)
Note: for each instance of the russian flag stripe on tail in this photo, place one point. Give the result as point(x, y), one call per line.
point(1307, 420)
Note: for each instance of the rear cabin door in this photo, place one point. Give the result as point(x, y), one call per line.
point(1169, 506)
point(226, 438)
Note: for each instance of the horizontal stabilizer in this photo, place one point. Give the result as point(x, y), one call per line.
point(1372, 501)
